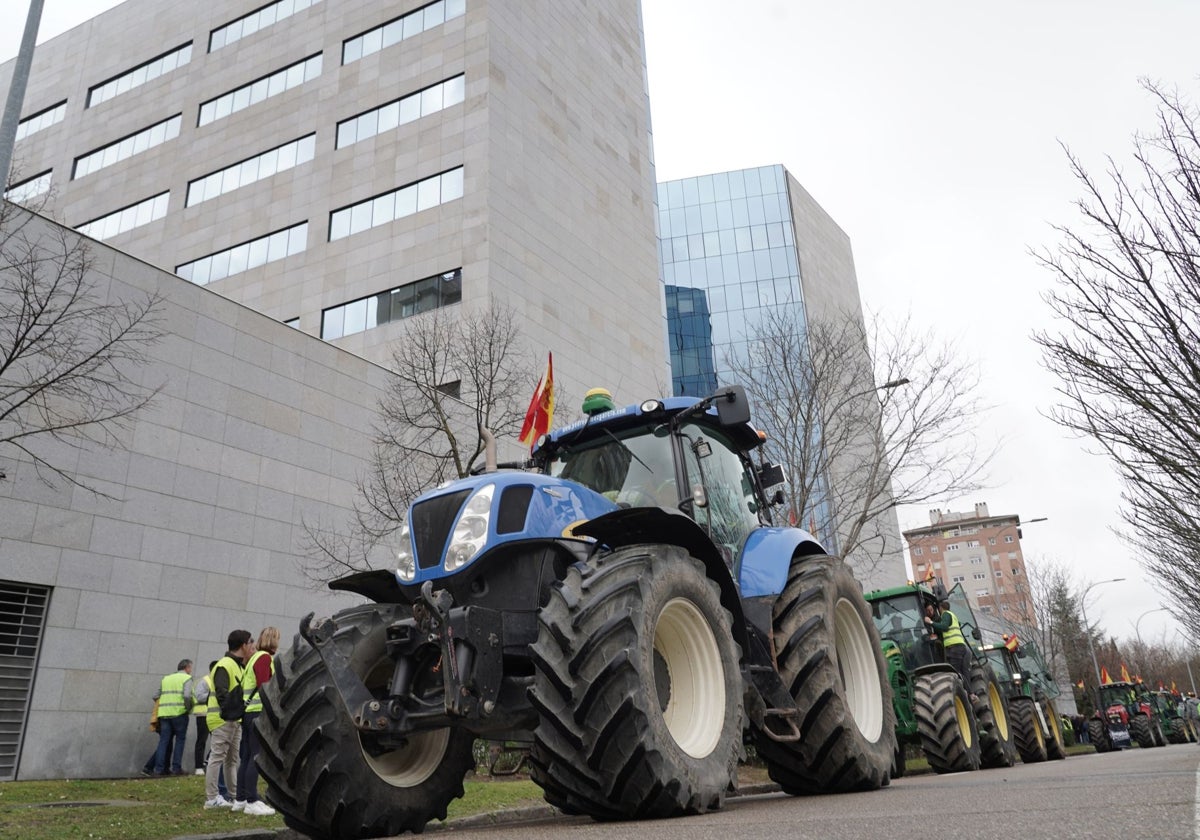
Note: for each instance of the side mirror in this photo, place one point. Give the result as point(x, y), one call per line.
point(975, 634)
point(771, 475)
point(732, 407)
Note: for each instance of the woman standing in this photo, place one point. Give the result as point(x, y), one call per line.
point(259, 669)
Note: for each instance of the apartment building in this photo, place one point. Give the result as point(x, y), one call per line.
point(980, 551)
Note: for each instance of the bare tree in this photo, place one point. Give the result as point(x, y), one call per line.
point(1128, 353)
point(852, 450)
point(454, 375)
point(69, 351)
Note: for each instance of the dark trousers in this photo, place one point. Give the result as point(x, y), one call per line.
point(960, 659)
point(168, 758)
point(247, 775)
point(201, 740)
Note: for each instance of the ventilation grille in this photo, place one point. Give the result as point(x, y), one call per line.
point(430, 524)
point(22, 619)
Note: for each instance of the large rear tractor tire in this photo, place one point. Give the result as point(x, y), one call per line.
point(326, 780)
point(831, 660)
point(946, 723)
point(1179, 731)
point(638, 689)
point(1141, 731)
point(991, 717)
point(1027, 729)
point(1098, 735)
point(1056, 744)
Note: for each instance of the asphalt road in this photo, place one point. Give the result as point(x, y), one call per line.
point(1144, 794)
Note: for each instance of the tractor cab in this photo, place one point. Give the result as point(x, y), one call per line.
point(899, 615)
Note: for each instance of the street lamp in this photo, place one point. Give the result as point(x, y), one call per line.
point(1137, 624)
point(1187, 661)
point(1087, 628)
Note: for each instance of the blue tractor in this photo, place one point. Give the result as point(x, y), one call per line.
point(627, 605)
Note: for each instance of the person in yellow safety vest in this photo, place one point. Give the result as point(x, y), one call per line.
point(201, 689)
point(958, 655)
point(226, 706)
point(259, 670)
point(174, 698)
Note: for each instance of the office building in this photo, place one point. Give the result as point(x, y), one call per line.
point(733, 245)
point(341, 166)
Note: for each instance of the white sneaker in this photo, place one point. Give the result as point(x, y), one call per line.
point(199, 772)
point(218, 802)
point(239, 804)
point(259, 808)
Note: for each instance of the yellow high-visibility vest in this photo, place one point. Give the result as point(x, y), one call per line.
point(231, 667)
point(952, 635)
point(170, 695)
point(250, 682)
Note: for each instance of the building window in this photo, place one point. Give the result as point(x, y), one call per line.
point(958, 578)
point(261, 18)
point(1004, 607)
point(953, 547)
point(29, 188)
point(991, 540)
point(252, 169)
point(243, 257)
point(933, 549)
point(451, 389)
point(413, 198)
point(289, 77)
point(1016, 572)
point(981, 593)
point(972, 543)
point(979, 576)
point(956, 562)
point(999, 573)
point(975, 561)
point(937, 566)
point(995, 558)
point(127, 147)
point(1008, 538)
point(127, 218)
point(292, 322)
point(921, 569)
point(139, 75)
point(918, 551)
point(392, 305)
point(42, 119)
point(401, 111)
point(1012, 555)
point(397, 29)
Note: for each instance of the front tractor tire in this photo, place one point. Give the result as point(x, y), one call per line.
point(1027, 729)
point(638, 688)
point(326, 780)
point(991, 716)
point(830, 658)
point(946, 723)
point(1141, 731)
point(1098, 735)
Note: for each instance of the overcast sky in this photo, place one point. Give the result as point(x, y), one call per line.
point(932, 132)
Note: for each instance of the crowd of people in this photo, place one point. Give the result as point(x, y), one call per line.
point(225, 702)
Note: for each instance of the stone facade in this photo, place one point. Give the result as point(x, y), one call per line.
point(257, 430)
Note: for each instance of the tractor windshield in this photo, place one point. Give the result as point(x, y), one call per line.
point(1120, 694)
point(902, 620)
point(633, 468)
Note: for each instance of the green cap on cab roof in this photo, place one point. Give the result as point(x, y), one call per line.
point(597, 400)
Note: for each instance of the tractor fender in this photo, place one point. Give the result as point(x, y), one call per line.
point(651, 525)
point(767, 556)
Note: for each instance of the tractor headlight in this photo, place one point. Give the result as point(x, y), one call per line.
point(1016, 677)
point(406, 566)
point(471, 531)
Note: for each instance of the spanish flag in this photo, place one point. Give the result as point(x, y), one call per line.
point(1079, 685)
point(1125, 673)
point(1012, 642)
point(1105, 679)
point(540, 414)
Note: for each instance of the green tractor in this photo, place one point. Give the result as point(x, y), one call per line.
point(933, 706)
point(1178, 729)
point(1030, 690)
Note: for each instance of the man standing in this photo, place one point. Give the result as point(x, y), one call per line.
point(955, 645)
point(174, 705)
point(201, 689)
point(226, 706)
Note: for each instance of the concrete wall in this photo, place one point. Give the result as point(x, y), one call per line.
point(258, 428)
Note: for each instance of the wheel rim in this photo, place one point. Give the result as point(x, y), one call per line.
point(694, 711)
point(964, 721)
point(998, 715)
point(860, 674)
point(412, 763)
